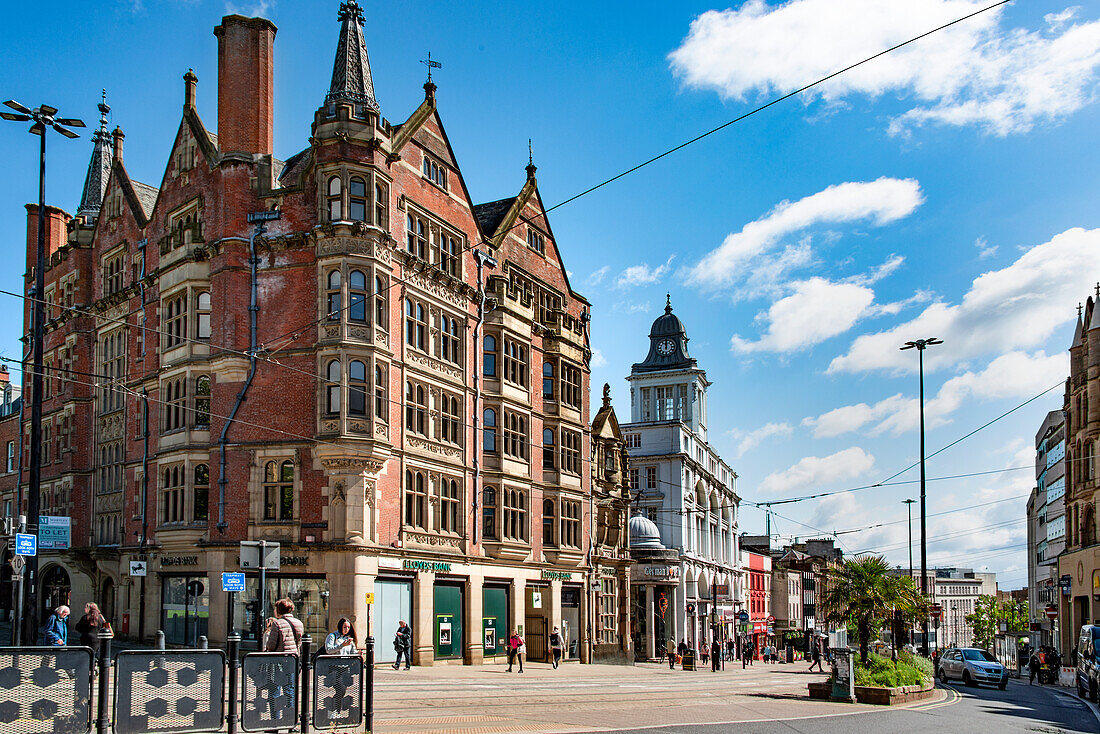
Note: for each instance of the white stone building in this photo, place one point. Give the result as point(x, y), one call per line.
point(679, 480)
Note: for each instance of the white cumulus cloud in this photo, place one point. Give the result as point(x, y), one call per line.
point(643, 274)
point(878, 202)
point(752, 439)
point(813, 471)
point(817, 310)
point(1017, 307)
point(978, 72)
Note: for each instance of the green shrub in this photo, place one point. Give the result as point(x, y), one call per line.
point(881, 672)
point(923, 664)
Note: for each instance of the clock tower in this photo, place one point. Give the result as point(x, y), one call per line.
point(668, 385)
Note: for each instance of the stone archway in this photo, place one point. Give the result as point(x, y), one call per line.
point(55, 589)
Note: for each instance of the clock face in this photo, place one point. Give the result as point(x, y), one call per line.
point(666, 347)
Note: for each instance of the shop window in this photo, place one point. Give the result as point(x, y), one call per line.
point(416, 500)
point(489, 358)
point(357, 199)
point(490, 421)
point(571, 523)
point(448, 505)
point(608, 627)
point(279, 491)
point(202, 402)
point(489, 513)
point(335, 297)
point(549, 522)
point(201, 489)
point(202, 315)
point(515, 515)
point(357, 296)
point(416, 408)
point(549, 460)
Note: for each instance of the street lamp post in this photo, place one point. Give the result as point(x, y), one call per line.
point(43, 117)
point(909, 504)
point(920, 345)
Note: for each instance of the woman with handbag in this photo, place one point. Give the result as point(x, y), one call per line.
point(89, 626)
point(517, 648)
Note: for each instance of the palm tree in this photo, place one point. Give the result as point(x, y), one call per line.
point(862, 591)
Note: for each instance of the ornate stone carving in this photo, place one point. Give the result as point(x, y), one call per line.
point(330, 426)
point(437, 289)
point(111, 427)
point(381, 429)
point(338, 492)
point(380, 337)
point(359, 426)
point(434, 447)
point(436, 365)
point(356, 465)
point(438, 541)
point(359, 332)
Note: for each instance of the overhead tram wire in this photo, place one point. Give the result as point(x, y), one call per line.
point(467, 247)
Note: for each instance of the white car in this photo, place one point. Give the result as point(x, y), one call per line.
point(972, 666)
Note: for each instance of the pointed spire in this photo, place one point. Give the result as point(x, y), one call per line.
point(99, 167)
point(531, 169)
point(668, 303)
point(1079, 331)
point(351, 77)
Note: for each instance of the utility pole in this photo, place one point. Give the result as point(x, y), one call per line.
point(920, 345)
point(44, 117)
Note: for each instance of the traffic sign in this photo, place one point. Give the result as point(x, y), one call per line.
point(26, 544)
point(743, 616)
point(1052, 612)
point(936, 611)
point(17, 564)
point(232, 582)
point(691, 608)
point(370, 598)
point(262, 554)
point(138, 568)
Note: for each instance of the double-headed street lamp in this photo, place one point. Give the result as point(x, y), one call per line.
point(920, 345)
point(43, 117)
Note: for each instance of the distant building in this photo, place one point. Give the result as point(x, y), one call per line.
point(956, 590)
point(757, 575)
point(680, 482)
point(10, 403)
point(1046, 524)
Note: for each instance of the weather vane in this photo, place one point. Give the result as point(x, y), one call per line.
point(431, 65)
point(531, 154)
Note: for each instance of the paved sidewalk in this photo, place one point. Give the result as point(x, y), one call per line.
point(488, 700)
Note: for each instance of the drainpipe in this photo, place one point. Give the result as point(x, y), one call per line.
point(483, 260)
point(589, 594)
point(259, 220)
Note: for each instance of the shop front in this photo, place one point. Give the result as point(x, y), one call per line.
point(494, 622)
point(654, 578)
point(310, 594)
point(449, 603)
point(537, 621)
point(392, 604)
point(185, 608)
point(571, 595)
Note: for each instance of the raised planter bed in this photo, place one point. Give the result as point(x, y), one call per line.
point(877, 696)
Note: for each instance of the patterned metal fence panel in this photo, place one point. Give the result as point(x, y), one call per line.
point(337, 691)
point(45, 690)
point(169, 691)
point(270, 692)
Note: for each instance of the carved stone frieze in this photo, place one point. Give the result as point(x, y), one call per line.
point(111, 427)
point(359, 426)
point(330, 426)
point(434, 447)
point(352, 465)
point(438, 541)
point(381, 429)
point(359, 332)
point(436, 365)
point(440, 290)
point(381, 337)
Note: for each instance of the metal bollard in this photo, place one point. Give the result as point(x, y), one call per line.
point(369, 675)
point(204, 644)
point(160, 639)
point(233, 645)
point(102, 725)
point(304, 682)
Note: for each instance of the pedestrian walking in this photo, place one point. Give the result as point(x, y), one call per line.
point(704, 652)
point(682, 648)
point(516, 650)
point(716, 655)
point(1033, 666)
point(817, 657)
point(402, 644)
point(750, 651)
point(670, 650)
point(89, 625)
point(557, 647)
point(283, 632)
point(342, 640)
point(57, 629)
point(731, 649)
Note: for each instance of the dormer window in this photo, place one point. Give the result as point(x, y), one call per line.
point(435, 172)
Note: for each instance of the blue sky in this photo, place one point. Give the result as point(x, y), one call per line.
point(947, 191)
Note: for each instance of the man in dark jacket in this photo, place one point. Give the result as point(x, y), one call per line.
point(402, 644)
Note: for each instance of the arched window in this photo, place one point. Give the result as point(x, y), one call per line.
point(490, 420)
point(416, 409)
point(202, 315)
point(201, 502)
point(548, 380)
point(202, 401)
point(335, 300)
point(335, 209)
point(381, 406)
point(332, 404)
point(1090, 460)
point(357, 296)
point(416, 325)
point(548, 453)
point(357, 388)
point(357, 200)
point(549, 522)
point(489, 359)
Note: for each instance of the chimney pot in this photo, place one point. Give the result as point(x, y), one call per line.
point(189, 82)
point(118, 136)
point(245, 84)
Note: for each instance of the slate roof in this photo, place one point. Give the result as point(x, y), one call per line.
point(294, 164)
point(351, 77)
point(491, 214)
point(147, 196)
point(99, 167)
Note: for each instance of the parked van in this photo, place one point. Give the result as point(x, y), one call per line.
point(1088, 662)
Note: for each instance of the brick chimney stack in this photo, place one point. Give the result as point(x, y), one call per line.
point(245, 84)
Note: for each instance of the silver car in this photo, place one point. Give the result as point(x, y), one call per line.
point(972, 666)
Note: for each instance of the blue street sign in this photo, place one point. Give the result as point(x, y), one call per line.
point(743, 616)
point(26, 544)
point(232, 582)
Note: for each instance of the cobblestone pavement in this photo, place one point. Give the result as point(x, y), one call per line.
point(487, 700)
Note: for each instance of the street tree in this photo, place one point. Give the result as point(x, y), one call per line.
point(862, 591)
point(989, 613)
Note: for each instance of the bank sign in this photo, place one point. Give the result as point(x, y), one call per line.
point(53, 533)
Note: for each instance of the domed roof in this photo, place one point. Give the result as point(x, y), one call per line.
point(644, 533)
point(667, 324)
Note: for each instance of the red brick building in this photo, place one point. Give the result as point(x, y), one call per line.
point(336, 383)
